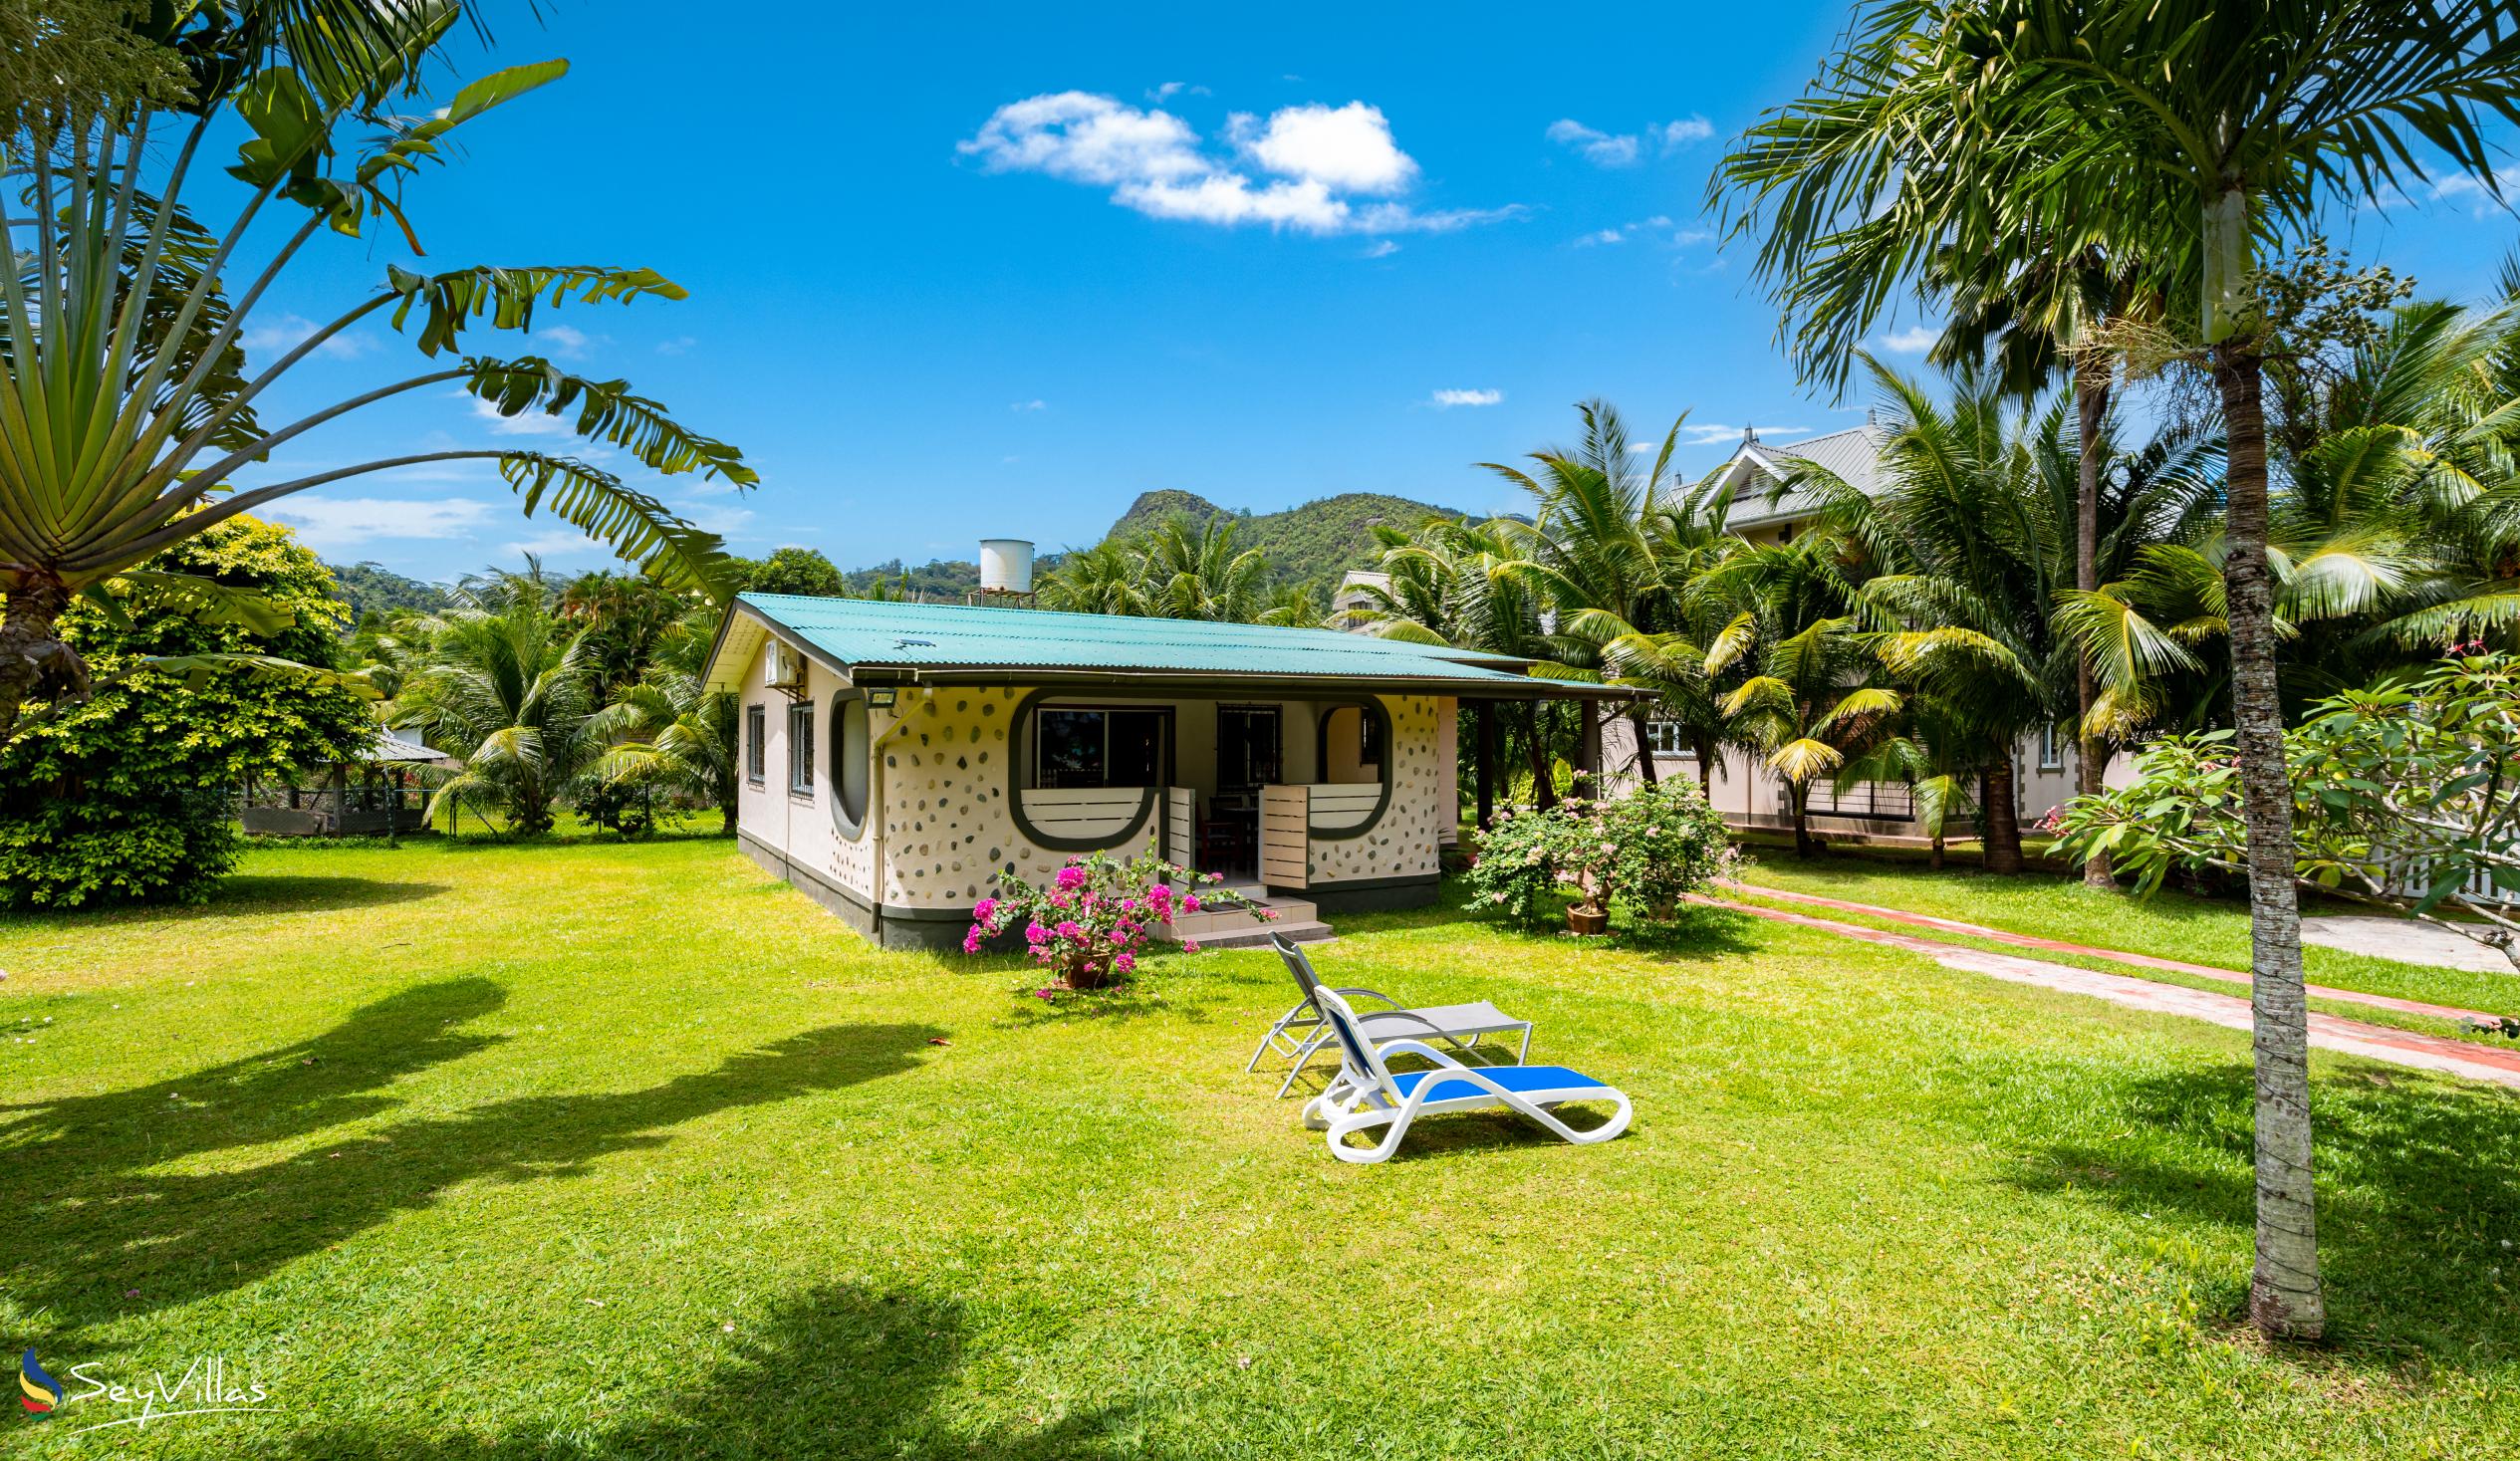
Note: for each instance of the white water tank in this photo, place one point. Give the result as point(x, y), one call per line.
point(1006, 566)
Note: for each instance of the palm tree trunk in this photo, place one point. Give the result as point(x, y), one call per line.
point(1798, 795)
point(2284, 1293)
point(2090, 404)
point(2002, 832)
point(1645, 752)
point(1934, 855)
point(27, 632)
point(1706, 771)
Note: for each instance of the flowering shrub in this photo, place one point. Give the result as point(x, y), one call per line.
point(1653, 846)
point(1093, 919)
point(2402, 795)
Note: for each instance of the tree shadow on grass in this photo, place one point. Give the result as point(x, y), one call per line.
point(2418, 1194)
point(841, 1371)
point(96, 1214)
point(246, 895)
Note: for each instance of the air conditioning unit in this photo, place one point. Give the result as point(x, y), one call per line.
point(787, 667)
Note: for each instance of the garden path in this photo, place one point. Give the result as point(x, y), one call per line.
point(2327, 1031)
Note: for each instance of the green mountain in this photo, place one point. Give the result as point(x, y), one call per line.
point(366, 586)
point(1321, 539)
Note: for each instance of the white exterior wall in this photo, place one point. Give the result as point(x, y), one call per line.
point(939, 819)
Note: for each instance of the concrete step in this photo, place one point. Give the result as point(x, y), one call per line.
point(1255, 935)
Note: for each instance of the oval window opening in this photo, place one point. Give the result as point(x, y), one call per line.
point(850, 763)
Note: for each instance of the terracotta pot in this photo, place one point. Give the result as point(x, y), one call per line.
point(1590, 922)
point(1086, 973)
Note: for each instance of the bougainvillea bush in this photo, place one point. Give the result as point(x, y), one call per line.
point(1094, 918)
point(1652, 846)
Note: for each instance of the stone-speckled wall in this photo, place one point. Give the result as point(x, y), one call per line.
point(1404, 843)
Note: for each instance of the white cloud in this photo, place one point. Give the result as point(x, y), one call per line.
point(2479, 198)
point(1035, 404)
point(1382, 248)
point(1913, 340)
point(333, 524)
point(1170, 90)
point(1444, 401)
point(528, 422)
point(563, 342)
point(277, 334)
point(676, 346)
point(1709, 434)
point(1349, 147)
point(1320, 160)
point(1601, 148)
point(1674, 136)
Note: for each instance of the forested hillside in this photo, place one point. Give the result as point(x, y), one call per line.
point(368, 585)
point(1320, 540)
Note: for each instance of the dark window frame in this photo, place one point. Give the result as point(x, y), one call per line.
point(756, 744)
point(801, 748)
point(1166, 756)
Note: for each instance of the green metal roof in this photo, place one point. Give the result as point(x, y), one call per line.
point(946, 642)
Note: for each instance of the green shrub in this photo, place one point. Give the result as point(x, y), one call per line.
point(1652, 847)
point(125, 798)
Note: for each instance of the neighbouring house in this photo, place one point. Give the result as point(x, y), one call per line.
point(898, 758)
point(372, 795)
point(1743, 788)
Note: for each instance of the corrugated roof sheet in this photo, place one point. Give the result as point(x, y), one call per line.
point(1852, 455)
point(858, 632)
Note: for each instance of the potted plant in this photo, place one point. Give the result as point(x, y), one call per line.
point(1667, 845)
point(1652, 847)
point(1093, 919)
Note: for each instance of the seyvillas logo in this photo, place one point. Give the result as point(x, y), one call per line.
point(41, 1393)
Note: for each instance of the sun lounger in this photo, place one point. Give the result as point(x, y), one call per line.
point(1301, 1031)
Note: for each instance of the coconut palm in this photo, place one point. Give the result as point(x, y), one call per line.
point(669, 729)
point(1967, 541)
point(1098, 579)
point(130, 404)
point(2203, 127)
point(1452, 582)
point(1197, 571)
point(1589, 553)
point(507, 680)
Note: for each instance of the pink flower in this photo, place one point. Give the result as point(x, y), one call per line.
point(1268, 913)
point(1124, 962)
point(1190, 946)
point(1058, 901)
point(984, 908)
point(1128, 905)
point(1071, 929)
point(1190, 903)
point(971, 942)
point(1161, 892)
point(1071, 877)
point(1048, 995)
point(1035, 933)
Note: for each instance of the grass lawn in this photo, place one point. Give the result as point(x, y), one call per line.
point(474, 1151)
point(2169, 924)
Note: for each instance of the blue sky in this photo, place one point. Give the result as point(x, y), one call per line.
point(972, 271)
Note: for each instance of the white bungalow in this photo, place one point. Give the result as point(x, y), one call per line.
point(898, 757)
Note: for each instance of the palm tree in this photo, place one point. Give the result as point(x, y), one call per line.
point(506, 679)
point(1098, 579)
point(1935, 753)
point(2195, 128)
point(129, 402)
point(669, 729)
point(1589, 553)
point(1452, 581)
point(1194, 570)
point(1968, 542)
point(1812, 698)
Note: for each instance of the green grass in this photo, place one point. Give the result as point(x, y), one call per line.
point(2169, 924)
point(586, 1149)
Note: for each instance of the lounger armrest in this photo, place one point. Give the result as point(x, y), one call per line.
point(1406, 1045)
point(1359, 990)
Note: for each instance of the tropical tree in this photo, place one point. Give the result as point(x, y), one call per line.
point(1452, 582)
point(129, 404)
point(1098, 579)
point(1588, 551)
point(794, 570)
point(1968, 539)
point(2196, 129)
point(506, 680)
point(669, 729)
point(1188, 570)
point(626, 617)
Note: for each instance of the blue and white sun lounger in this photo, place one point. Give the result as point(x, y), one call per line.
point(1366, 1094)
